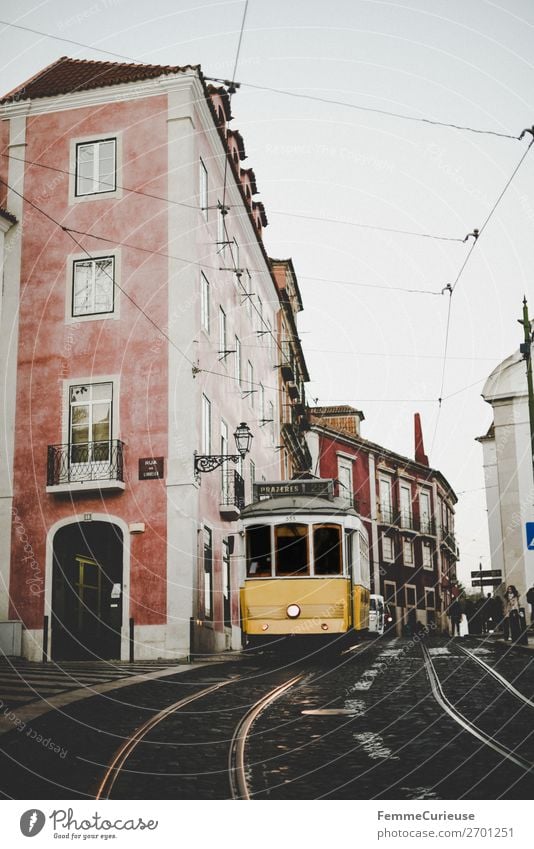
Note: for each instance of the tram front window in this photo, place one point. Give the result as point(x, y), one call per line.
point(291, 547)
point(259, 551)
point(327, 548)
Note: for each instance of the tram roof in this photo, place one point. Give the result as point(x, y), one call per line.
point(300, 504)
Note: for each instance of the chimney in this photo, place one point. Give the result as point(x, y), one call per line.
point(420, 455)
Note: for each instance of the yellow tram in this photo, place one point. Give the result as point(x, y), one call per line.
point(306, 563)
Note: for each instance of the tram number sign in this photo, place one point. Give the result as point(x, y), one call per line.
point(150, 468)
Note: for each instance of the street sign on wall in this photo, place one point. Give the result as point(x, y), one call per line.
point(150, 468)
point(530, 535)
point(487, 573)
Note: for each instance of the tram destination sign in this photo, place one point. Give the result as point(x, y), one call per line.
point(487, 573)
point(150, 468)
point(277, 489)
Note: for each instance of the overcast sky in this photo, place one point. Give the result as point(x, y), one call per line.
point(464, 62)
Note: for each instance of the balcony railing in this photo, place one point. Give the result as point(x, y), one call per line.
point(449, 539)
point(233, 491)
point(85, 462)
point(406, 521)
point(387, 515)
point(427, 526)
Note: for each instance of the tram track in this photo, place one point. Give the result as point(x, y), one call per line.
point(235, 766)
point(466, 724)
point(498, 677)
point(236, 760)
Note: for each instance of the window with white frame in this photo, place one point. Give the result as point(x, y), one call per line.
point(430, 599)
point(96, 167)
point(407, 552)
point(223, 334)
point(262, 404)
point(390, 593)
point(206, 425)
point(427, 556)
point(237, 361)
point(93, 286)
point(250, 380)
point(203, 188)
point(406, 505)
point(387, 549)
point(204, 302)
point(425, 515)
point(410, 595)
point(252, 466)
point(90, 422)
point(386, 506)
point(344, 476)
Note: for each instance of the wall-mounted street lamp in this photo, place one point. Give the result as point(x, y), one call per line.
point(209, 462)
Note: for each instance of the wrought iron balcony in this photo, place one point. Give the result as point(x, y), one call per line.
point(85, 465)
point(387, 515)
point(448, 539)
point(232, 494)
point(406, 521)
point(427, 526)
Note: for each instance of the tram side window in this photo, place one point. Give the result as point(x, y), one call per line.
point(259, 551)
point(291, 547)
point(327, 548)
point(365, 563)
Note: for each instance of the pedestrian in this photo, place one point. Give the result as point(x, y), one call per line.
point(486, 610)
point(516, 624)
point(530, 599)
point(455, 615)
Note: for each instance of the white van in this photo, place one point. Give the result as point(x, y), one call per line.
point(376, 614)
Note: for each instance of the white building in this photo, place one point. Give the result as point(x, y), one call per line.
point(507, 458)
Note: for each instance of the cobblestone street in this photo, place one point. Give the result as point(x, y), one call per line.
point(354, 725)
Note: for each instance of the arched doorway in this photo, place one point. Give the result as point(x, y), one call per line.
point(87, 591)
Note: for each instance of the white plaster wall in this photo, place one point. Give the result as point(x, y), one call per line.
point(9, 348)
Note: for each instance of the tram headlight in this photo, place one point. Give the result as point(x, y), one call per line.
point(293, 611)
point(265, 627)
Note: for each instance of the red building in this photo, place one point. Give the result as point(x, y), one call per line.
point(408, 509)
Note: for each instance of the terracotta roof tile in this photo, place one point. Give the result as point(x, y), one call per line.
point(69, 75)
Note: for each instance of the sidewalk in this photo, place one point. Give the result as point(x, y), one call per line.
point(499, 640)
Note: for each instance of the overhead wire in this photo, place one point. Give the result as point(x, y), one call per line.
point(285, 92)
point(363, 226)
point(452, 288)
point(361, 108)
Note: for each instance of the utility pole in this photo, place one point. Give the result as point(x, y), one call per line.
point(525, 349)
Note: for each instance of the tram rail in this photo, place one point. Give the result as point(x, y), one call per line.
point(236, 755)
point(458, 717)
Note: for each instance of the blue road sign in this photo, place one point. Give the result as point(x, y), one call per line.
point(530, 535)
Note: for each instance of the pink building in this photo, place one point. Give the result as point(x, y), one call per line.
point(136, 288)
